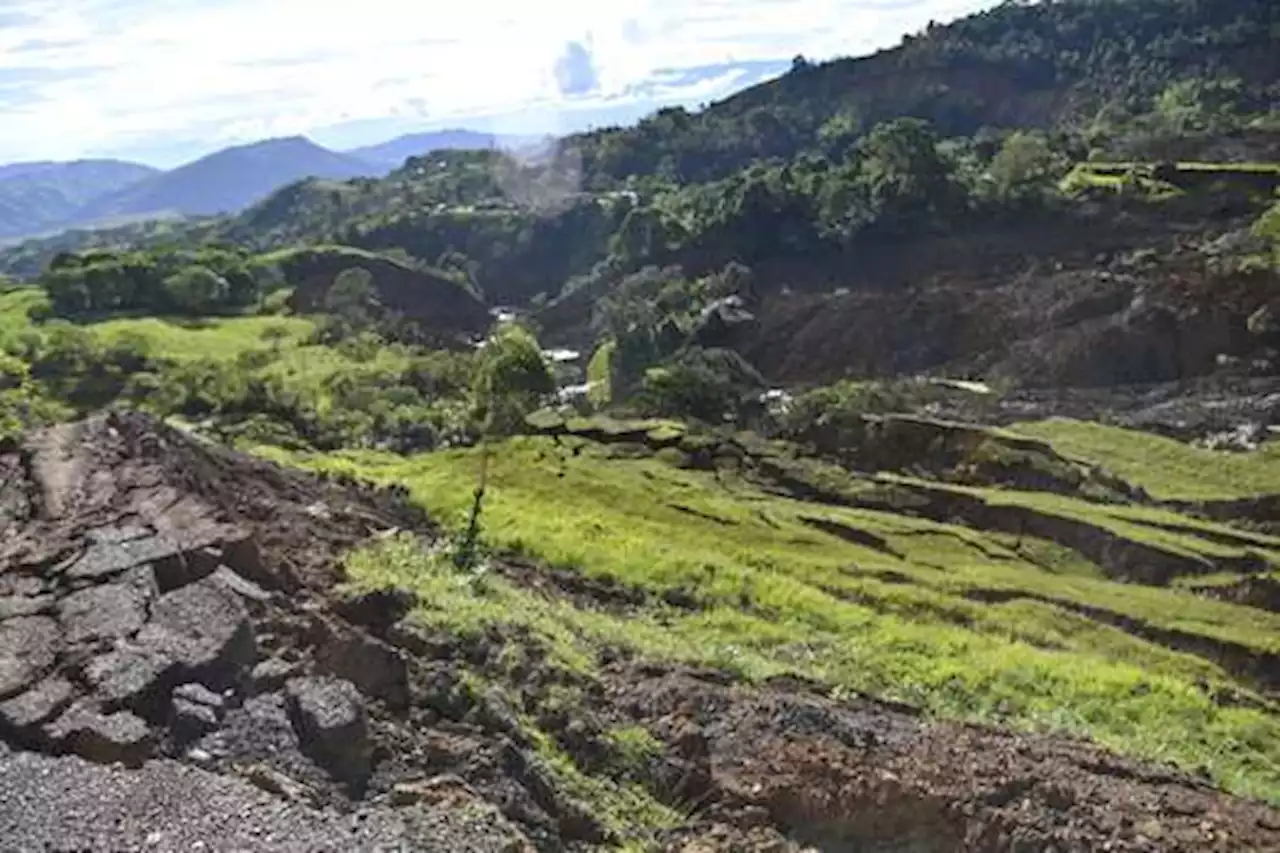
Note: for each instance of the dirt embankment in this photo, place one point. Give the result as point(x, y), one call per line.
point(1101, 298)
point(179, 667)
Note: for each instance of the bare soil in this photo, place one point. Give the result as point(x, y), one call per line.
point(217, 581)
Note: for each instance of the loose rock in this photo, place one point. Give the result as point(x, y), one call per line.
point(329, 716)
point(102, 738)
point(108, 612)
point(37, 705)
point(28, 647)
point(205, 630)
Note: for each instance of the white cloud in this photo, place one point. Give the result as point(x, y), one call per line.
point(80, 76)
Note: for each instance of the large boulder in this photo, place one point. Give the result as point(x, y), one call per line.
point(329, 717)
point(204, 629)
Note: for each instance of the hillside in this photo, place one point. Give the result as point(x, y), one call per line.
point(884, 458)
point(36, 197)
point(1076, 64)
point(288, 659)
point(392, 153)
point(228, 180)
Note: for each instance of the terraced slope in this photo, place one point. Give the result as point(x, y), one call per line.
point(1028, 608)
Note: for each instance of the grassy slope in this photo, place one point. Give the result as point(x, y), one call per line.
point(206, 338)
point(15, 308)
point(1168, 469)
point(781, 595)
point(176, 338)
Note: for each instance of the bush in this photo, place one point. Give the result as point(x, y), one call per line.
point(511, 379)
point(712, 385)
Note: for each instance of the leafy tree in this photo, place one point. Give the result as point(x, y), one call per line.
point(1025, 168)
point(906, 180)
point(840, 133)
point(1197, 104)
point(712, 385)
point(196, 290)
point(510, 380)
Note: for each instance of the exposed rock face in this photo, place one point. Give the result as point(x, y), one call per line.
point(130, 575)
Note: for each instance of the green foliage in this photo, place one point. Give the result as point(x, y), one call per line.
point(712, 385)
point(1268, 228)
point(511, 379)
point(832, 415)
point(1026, 169)
point(906, 179)
point(23, 403)
point(193, 283)
point(600, 373)
point(1198, 104)
point(196, 290)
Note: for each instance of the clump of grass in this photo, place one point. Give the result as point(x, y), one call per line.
point(633, 747)
point(626, 808)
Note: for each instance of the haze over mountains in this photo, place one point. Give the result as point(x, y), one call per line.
point(45, 196)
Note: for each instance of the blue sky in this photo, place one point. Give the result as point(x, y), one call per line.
point(166, 80)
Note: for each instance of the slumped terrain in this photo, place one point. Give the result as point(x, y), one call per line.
point(683, 653)
point(883, 458)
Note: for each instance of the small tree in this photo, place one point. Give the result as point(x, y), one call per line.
point(708, 384)
point(352, 305)
point(510, 380)
point(1024, 168)
point(197, 290)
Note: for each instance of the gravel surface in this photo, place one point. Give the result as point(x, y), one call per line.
point(68, 804)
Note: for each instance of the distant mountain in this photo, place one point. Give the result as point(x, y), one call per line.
point(38, 197)
point(228, 180)
point(392, 154)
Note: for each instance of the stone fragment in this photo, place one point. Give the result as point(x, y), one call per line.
point(130, 676)
point(379, 670)
point(196, 711)
point(107, 612)
point(38, 705)
point(29, 645)
point(204, 629)
point(329, 716)
point(100, 737)
point(272, 673)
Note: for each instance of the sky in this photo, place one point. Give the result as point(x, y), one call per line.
point(162, 81)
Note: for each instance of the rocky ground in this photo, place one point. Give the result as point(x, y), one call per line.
point(180, 669)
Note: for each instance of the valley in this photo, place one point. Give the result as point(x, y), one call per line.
point(883, 458)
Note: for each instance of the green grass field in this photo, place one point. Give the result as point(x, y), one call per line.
point(16, 306)
point(1166, 468)
point(215, 338)
point(218, 338)
point(779, 594)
